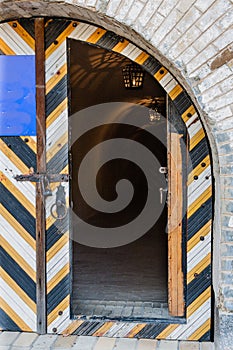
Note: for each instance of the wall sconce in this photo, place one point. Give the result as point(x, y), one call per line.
point(154, 114)
point(133, 76)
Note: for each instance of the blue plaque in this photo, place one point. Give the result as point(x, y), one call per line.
point(17, 96)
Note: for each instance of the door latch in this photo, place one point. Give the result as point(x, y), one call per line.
point(161, 190)
point(59, 210)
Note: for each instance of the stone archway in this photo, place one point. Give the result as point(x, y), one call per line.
point(206, 77)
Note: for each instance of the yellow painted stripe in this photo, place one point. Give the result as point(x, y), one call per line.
point(13, 157)
point(120, 46)
point(30, 142)
point(72, 327)
point(56, 112)
point(20, 292)
point(19, 259)
point(142, 58)
point(64, 304)
point(58, 277)
point(16, 225)
point(102, 330)
point(161, 73)
point(196, 139)
point(175, 91)
point(56, 78)
point(199, 169)
point(167, 331)
point(201, 331)
point(199, 201)
point(14, 316)
point(18, 194)
point(199, 268)
point(23, 34)
point(136, 330)
point(60, 39)
point(196, 238)
point(5, 48)
point(196, 304)
point(57, 246)
point(97, 35)
point(191, 110)
point(57, 146)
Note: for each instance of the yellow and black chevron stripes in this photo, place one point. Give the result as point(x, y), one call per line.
point(17, 38)
point(18, 243)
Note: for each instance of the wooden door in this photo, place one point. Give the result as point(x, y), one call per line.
point(175, 212)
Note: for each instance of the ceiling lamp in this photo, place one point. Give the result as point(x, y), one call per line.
point(133, 76)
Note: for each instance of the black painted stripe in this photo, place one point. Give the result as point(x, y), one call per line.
point(205, 337)
point(108, 40)
point(55, 232)
point(198, 153)
point(182, 102)
point(88, 328)
point(7, 324)
point(53, 29)
point(18, 274)
point(1, 52)
point(21, 149)
point(58, 293)
point(56, 96)
point(59, 161)
point(199, 218)
point(18, 211)
point(198, 285)
point(28, 25)
point(151, 331)
point(151, 65)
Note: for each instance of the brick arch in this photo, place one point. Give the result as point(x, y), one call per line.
point(197, 324)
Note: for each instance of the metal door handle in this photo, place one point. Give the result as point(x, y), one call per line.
point(161, 190)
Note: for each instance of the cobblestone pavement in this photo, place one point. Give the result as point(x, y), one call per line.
point(32, 341)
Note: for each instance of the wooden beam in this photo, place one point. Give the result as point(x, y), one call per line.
point(41, 168)
point(175, 199)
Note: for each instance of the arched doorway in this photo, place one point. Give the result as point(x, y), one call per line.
point(197, 321)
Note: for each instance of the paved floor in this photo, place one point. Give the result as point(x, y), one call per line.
point(31, 341)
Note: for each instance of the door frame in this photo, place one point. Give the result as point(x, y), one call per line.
point(196, 325)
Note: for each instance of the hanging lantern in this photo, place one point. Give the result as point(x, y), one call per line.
point(133, 76)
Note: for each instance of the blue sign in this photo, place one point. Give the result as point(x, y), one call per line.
point(17, 96)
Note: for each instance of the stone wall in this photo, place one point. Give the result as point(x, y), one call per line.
point(193, 39)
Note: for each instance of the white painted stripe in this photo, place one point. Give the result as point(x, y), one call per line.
point(192, 119)
point(56, 60)
point(193, 322)
point(125, 330)
point(56, 125)
point(168, 82)
point(57, 267)
point(83, 31)
point(54, 66)
point(27, 188)
point(61, 322)
point(18, 305)
point(27, 191)
point(114, 329)
point(199, 252)
point(59, 260)
point(194, 128)
point(18, 243)
point(14, 41)
point(131, 51)
point(197, 187)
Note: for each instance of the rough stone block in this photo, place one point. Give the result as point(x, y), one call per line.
point(189, 345)
point(25, 339)
point(147, 344)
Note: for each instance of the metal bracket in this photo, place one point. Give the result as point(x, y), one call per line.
point(41, 177)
